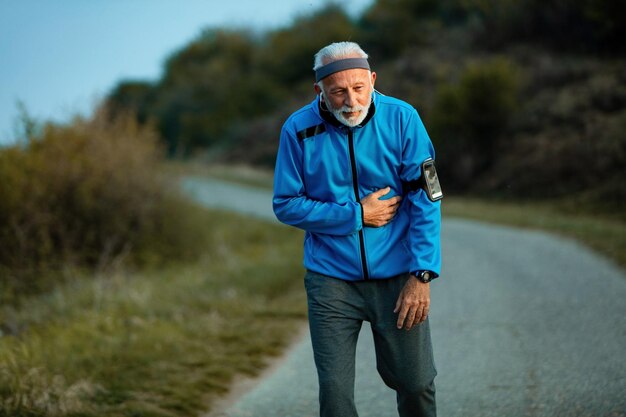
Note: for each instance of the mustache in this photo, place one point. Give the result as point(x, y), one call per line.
point(342, 109)
point(346, 109)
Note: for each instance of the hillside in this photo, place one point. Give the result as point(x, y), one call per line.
point(522, 99)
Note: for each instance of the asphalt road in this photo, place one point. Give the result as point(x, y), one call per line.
point(523, 324)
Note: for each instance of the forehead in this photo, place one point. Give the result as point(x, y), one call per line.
point(347, 78)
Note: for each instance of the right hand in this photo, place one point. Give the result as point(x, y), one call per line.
point(377, 212)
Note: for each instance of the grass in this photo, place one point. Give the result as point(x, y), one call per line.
point(605, 234)
point(159, 342)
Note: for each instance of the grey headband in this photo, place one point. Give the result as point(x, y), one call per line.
point(340, 65)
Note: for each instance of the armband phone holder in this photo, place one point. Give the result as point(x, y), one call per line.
point(428, 181)
point(431, 181)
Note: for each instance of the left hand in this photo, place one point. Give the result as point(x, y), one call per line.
point(413, 303)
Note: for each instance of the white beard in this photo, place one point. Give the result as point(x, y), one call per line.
point(355, 121)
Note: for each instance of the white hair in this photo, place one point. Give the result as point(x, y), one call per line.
point(335, 51)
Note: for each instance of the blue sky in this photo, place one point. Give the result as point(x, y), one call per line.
point(60, 57)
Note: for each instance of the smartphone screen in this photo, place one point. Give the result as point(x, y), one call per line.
point(432, 181)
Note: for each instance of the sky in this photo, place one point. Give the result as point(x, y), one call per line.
point(60, 57)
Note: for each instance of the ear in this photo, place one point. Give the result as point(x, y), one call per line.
point(373, 77)
point(317, 88)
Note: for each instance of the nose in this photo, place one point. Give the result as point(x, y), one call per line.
point(350, 99)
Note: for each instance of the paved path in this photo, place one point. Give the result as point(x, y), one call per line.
point(523, 324)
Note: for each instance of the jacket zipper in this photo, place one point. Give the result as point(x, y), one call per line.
point(355, 184)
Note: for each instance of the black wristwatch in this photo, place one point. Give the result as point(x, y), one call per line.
point(425, 276)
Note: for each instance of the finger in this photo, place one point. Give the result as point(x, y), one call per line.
point(423, 313)
point(394, 209)
point(398, 304)
point(402, 316)
point(392, 202)
point(381, 192)
point(411, 318)
point(391, 211)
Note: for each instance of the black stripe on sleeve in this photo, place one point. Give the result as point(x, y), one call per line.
point(311, 131)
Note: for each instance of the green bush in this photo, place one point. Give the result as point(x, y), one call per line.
point(470, 117)
point(566, 138)
point(88, 194)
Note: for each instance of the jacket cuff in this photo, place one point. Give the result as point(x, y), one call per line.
point(433, 273)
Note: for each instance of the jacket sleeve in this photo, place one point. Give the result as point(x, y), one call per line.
point(425, 215)
point(291, 204)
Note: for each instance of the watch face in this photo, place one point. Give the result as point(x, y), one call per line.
point(425, 276)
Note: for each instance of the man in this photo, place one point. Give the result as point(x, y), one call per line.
point(349, 171)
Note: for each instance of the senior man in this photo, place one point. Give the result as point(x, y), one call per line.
point(355, 170)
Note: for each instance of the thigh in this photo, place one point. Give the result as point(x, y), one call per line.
point(403, 358)
point(335, 318)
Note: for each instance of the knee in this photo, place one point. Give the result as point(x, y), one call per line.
point(418, 387)
point(333, 383)
point(410, 382)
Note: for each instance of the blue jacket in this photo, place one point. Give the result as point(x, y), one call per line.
point(323, 170)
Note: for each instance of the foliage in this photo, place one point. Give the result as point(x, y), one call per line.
point(191, 108)
point(208, 86)
point(86, 194)
point(568, 140)
point(287, 53)
point(226, 77)
point(391, 26)
point(469, 118)
point(493, 80)
point(564, 25)
point(133, 97)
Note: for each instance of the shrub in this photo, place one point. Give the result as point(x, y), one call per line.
point(86, 194)
point(470, 117)
point(566, 137)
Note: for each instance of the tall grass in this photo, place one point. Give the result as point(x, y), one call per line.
point(88, 194)
point(118, 297)
point(160, 342)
